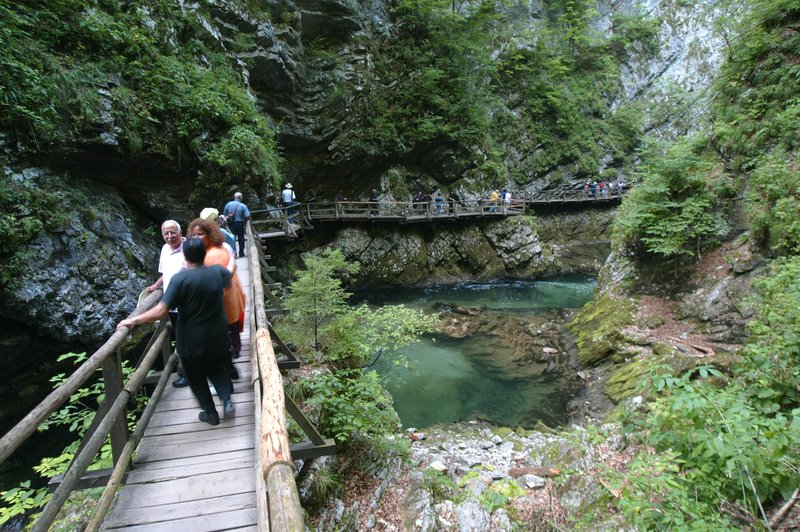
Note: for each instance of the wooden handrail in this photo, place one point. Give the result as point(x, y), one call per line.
point(273, 459)
point(22, 430)
point(426, 210)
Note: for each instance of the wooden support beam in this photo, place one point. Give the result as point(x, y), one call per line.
point(305, 450)
point(91, 479)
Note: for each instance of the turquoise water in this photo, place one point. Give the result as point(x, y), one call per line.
point(452, 379)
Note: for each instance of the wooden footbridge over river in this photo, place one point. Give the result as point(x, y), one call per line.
point(173, 472)
point(289, 222)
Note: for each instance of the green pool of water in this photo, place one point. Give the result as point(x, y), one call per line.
point(452, 379)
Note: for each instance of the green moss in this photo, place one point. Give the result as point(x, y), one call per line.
point(597, 327)
point(503, 432)
point(627, 381)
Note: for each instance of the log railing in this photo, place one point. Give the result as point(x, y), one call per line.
point(109, 419)
point(278, 501)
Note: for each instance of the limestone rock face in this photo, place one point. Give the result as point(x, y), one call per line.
point(450, 254)
point(79, 281)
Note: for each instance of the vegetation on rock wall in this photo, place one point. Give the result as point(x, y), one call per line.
point(676, 209)
point(722, 443)
point(141, 77)
point(757, 122)
point(470, 79)
point(565, 82)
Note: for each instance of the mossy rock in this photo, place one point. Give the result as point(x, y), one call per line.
point(627, 381)
point(652, 322)
point(597, 327)
point(502, 432)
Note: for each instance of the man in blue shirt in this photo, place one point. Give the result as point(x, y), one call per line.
point(237, 214)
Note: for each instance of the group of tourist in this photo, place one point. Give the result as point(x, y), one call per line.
point(205, 302)
point(612, 188)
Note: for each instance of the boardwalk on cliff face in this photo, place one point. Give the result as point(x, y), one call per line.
point(188, 475)
point(290, 221)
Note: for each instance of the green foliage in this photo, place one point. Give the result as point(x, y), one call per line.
point(773, 350)
point(426, 85)
point(317, 294)
point(25, 211)
point(496, 496)
point(718, 440)
point(757, 118)
point(773, 201)
point(179, 97)
point(440, 486)
point(77, 415)
point(351, 401)
point(655, 496)
point(563, 78)
point(673, 211)
point(720, 437)
point(356, 335)
point(21, 500)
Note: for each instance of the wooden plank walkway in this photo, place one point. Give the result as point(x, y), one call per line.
point(188, 475)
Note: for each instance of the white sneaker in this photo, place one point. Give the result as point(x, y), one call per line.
point(213, 390)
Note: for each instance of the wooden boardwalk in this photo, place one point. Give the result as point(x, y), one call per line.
point(188, 475)
point(274, 222)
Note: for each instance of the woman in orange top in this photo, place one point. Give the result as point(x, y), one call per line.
point(234, 297)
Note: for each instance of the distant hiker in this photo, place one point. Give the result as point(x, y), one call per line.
point(419, 202)
point(212, 215)
point(611, 187)
point(288, 198)
point(439, 200)
point(373, 199)
point(593, 188)
point(586, 189)
point(237, 214)
point(506, 200)
point(602, 186)
point(426, 200)
point(494, 197)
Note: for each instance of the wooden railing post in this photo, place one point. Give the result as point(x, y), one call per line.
point(112, 379)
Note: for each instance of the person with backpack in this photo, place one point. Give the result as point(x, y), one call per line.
point(237, 215)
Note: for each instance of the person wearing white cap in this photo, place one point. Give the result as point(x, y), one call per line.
point(237, 214)
point(287, 198)
point(212, 215)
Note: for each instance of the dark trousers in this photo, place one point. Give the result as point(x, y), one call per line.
point(198, 370)
point(235, 336)
point(238, 229)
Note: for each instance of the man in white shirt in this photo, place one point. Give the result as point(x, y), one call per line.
point(171, 262)
point(287, 198)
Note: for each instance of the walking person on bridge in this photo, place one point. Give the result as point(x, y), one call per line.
point(202, 343)
point(494, 197)
point(233, 296)
point(237, 214)
point(288, 198)
point(170, 262)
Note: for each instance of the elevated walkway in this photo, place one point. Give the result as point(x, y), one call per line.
point(187, 475)
point(290, 222)
point(174, 472)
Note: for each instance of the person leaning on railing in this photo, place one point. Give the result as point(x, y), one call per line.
point(201, 334)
